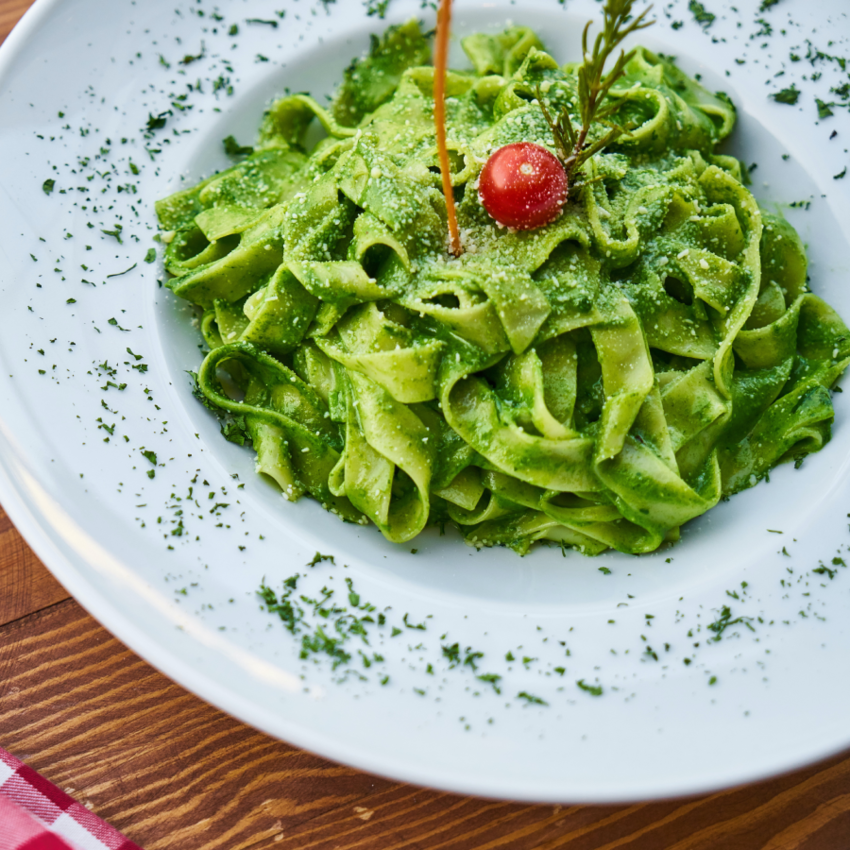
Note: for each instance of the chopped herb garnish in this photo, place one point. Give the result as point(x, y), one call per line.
point(319, 557)
point(701, 14)
point(156, 122)
point(235, 430)
point(116, 232)
point(420, 626)
point(118, 274)
point(233, 149)
point(593, 690)
point(725, 621)
point(377, 7)
point(188, 59)
point(824, 110)
point(530, 698)
point(491, 679)
point(47, 186)
point(353, 598)
point(452, 653)
point(471, 657)
point(790, 95)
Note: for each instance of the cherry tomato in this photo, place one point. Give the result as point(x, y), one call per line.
point(523, 186)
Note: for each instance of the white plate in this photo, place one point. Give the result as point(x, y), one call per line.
point(90, 510)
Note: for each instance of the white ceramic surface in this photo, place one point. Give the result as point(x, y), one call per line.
point(187, 602)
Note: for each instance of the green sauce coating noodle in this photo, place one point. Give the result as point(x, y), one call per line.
point(596, 382)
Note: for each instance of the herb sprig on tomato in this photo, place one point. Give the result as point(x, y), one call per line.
point(523, 185)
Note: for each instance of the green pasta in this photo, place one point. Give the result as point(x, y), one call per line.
point(596, 382)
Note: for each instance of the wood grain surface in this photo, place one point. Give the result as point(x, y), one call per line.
point(172, 772)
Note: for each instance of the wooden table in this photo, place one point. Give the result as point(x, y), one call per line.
point(172, 772)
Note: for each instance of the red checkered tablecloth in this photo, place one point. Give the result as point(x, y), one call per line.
point(36, 815)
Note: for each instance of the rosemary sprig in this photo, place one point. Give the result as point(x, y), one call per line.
point(593, 88)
